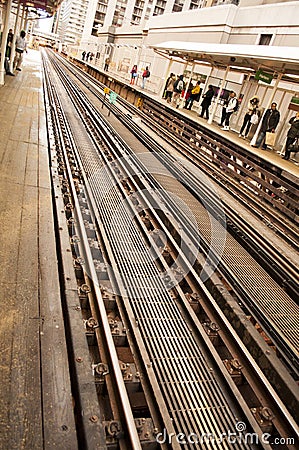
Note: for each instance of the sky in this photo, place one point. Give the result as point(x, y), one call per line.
point(45, 25)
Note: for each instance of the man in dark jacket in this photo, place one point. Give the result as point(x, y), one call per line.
point(207, 99)
point(269, 123)
point(293, 133)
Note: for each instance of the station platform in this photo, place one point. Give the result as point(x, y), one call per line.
point(36, 408)
point(269, 155)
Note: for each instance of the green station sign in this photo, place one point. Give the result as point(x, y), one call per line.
point(294, 104)
point(263, 76)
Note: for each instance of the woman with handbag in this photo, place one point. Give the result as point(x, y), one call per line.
point(292, 136)
point(251, 116)
point(134, 74)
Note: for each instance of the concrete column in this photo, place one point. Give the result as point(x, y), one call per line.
point(218, 96)
point(4, 39)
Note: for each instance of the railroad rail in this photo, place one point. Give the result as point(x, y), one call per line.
point(281, 268)
point(103, 191)
point(244, 173)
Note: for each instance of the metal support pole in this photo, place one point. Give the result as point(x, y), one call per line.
point(218, 96)
point(22, 18)
point(188, 82)
point(246, 86)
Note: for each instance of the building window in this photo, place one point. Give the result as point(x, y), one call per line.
point(265, 39)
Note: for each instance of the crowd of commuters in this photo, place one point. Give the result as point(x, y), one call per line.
point(174, 93)
point(88, 57)
point(179, 93)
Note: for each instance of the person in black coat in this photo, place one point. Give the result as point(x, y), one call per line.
point(269, 124)
point(207, 100)
point(8, 52)
point(293, 133)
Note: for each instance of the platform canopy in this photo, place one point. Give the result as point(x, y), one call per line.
point(47, 6)
point(243, 58)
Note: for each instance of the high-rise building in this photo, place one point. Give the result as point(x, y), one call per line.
point(81, 22)
point(71, 22)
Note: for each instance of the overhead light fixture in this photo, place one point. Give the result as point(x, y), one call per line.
point(291, 75)
point(247, 69)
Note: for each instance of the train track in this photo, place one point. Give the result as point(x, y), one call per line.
point(283, 197)
point(282, 269)
point(254, 181)
point(105, 177)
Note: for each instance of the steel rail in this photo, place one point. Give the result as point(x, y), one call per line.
point(154, 107)
point(88, 258)
point(253, 365)
point(160, 294)
point(261, 317)
point(290, 273)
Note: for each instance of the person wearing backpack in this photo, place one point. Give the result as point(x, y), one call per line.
point(146, 74)
point(178, 87)
point(232, 106)
point(195, 95)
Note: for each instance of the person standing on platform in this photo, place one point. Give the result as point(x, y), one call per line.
point(194, 96)
point(146, 74)
point(21, 47)
point(269, 124)
point(83, 55)
point(230, 109)
point(178, 88)
point(207, 100)
point(8, 52)
point(134, 74)
point(169, 87)
point(106, 66)
point(223, 112)
point(292, 135)
point(252, 109)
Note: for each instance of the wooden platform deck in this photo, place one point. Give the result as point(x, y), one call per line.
point(36, 410)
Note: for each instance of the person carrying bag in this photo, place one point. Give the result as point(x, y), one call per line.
point(270, 138)
point(251, 117)
point(292, 137)
point(21, 47)
point(269, 124)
